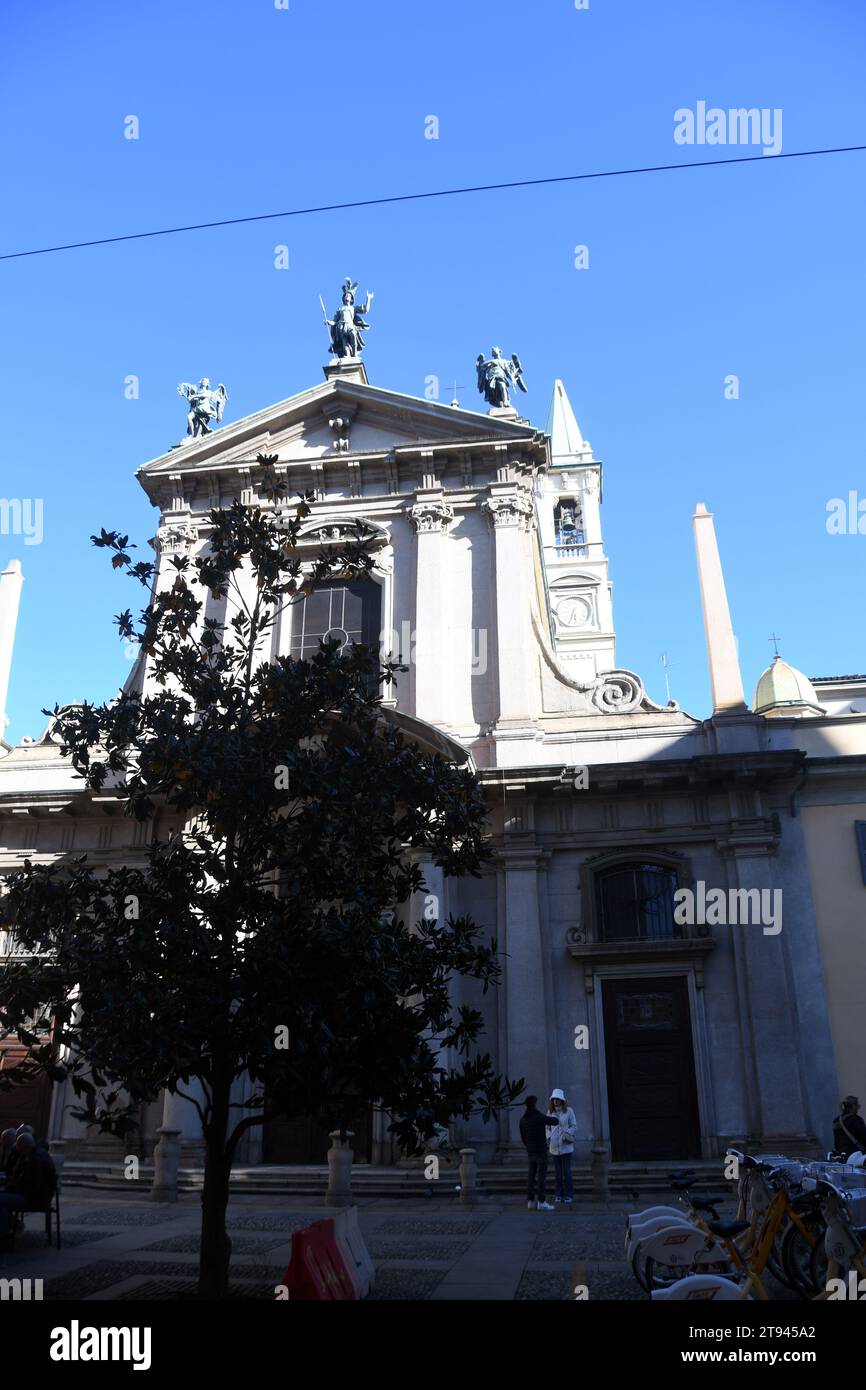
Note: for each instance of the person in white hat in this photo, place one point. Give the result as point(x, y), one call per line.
point(561, 1145)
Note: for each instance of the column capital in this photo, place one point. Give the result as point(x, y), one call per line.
point(431, 515)
point(522, 857)
point(175, 538)
point(509, 509)
point(758, 841)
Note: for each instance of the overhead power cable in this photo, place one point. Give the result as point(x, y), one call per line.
point(437, 193)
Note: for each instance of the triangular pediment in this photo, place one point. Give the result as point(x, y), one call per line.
point(337, 416)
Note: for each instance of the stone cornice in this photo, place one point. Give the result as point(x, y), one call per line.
point(759, 840)
point(689, 950)
point(674, 774)
point(402, 469)
point(521, 856)
point(522, 455)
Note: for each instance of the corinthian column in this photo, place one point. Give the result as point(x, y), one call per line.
point(430, 516)
point(510, 512)
point(526, 1019)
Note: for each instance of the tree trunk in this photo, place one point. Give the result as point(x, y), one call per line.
point(216, 1246)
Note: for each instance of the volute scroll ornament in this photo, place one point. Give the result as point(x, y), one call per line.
point(431, 516)
point(175, 538)
point(516, 509)
point(618, 692)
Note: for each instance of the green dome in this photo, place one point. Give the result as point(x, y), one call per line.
point(783, 689)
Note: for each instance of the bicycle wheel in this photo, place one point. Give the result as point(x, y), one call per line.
point(637, 1269)
point(818, 1267)
point(797, 1251)
point(774, 1260)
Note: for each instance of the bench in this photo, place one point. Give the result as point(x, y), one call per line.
point(51, 1212)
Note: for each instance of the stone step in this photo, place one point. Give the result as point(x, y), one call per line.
point(391, 1182)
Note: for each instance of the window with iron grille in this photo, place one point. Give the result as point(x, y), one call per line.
point(635, 902)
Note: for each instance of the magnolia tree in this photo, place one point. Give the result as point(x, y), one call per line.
point(262, 934)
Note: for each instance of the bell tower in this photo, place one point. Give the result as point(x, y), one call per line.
point(576, 567)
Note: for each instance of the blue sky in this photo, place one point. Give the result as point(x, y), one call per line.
point(753, 270)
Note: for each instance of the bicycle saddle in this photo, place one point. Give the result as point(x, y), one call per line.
point(700, 1204)
point(726, 1229)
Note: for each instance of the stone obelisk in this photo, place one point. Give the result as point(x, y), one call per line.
point(11, 581)
point(725, 679)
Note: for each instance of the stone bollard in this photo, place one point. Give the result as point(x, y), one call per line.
point(166, 1161)
point(600, 1170)
point(340, 1157)
point(468, 1176)
point(57, 1150)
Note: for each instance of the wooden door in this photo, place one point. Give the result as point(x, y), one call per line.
point(651, 1090)
point(25, 1105)
point(304, 1140)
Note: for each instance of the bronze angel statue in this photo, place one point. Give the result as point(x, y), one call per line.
point(204, 405)
point(496, 376)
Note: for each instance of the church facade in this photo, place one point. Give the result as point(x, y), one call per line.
point(671, 944)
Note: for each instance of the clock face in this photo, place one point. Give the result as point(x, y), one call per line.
point(573, 611)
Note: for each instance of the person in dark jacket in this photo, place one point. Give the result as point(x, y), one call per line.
point(533, 1132)
point(7, 1150)
point(30, 1182)
point(849, 1130)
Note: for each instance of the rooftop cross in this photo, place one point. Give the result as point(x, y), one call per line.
point(775, 641)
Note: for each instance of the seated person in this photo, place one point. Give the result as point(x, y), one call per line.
point(30, 1182)
point(849, 1130)
point(7, 1150)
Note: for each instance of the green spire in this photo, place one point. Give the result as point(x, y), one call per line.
point(562, 426)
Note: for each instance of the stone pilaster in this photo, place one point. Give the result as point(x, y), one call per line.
point(511, 514)
point(769, 1034)
point(527, 1024)
point(431, 517)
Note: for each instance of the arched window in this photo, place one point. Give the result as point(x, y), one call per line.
point(635, 902)
point(568, 528)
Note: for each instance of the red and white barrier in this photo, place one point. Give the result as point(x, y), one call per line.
point(351, 1245)
point(316, 1270)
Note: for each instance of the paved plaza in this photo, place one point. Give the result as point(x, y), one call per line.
point(136, 1249)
